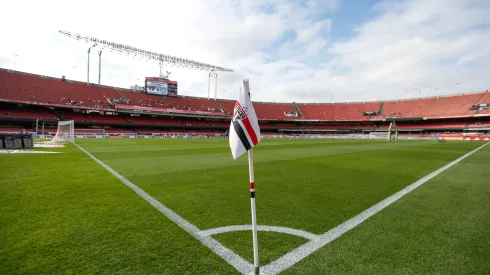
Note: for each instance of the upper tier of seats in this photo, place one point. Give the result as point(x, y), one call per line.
point(34, 89)
point(23, 87)
point(436, 107)
point(485, 99)
point(37, 89)
point(264, 110)
point(179, 103)
point(338, 111)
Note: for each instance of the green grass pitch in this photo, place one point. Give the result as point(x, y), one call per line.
point(64, 213)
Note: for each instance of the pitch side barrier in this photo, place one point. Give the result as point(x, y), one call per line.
point(333, 136)
point(346, 136)
point(147, 136)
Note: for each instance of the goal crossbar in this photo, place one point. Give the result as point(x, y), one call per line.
point(65, 132)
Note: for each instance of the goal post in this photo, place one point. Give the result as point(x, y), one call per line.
point(379, 135)
point(391, 134)
point(65, 132)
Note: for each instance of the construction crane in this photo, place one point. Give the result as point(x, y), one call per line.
point(162, 59)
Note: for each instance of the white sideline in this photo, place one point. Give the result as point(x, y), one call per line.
point(229, 256)
point(301, 252)
point(267, 228)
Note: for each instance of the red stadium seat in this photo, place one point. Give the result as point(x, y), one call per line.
point(338, 111)
point(23, 93)
point(178, 103)
point(26, 113)
point(264, 110)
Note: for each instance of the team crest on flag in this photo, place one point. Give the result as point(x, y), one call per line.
point(244, 127)
point(238, 112)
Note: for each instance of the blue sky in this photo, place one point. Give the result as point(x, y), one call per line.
point(350, 14)
point(301, 50)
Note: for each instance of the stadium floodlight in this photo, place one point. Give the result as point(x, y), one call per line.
point(162, 59)
point(88, 63)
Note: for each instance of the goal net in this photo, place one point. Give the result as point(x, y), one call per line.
point(379, 135)
point(65, 132)
point(391, 134)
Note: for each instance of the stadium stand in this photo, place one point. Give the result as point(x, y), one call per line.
point(274, 111)
point(482, 107)
point(105, 119)
point(10, 129)
point(228, 105)
point(479, 125)
point(429, 126)
point(338, 111)
point(264, 110)
point(265, 126)
point(70, 115)
point(349, 126)
point(287, 126)
point(89, 131)
point(178, 103)
point(119, 131)
point(31, 88)
point(436, 107)
point(26, 97)
point(155, 121)
point(12, 112)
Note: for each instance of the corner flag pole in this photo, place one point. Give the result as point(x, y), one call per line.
point(244, 135)
point(254, 215)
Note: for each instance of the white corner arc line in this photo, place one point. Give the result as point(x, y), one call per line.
point(296, 255)
point(240, 264)
point(267, 228)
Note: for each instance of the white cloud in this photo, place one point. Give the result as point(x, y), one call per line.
point(409, 46)
point(420, 45)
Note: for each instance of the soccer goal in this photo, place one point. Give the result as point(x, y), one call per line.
point(379, 135)
point(391, 134)
point(65, 132)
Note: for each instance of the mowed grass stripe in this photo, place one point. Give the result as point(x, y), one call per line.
point(313, 193)
point(193, 159)
point(439, 228)
point(65, 214)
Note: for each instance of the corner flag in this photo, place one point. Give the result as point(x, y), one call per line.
point(244, 135)
point(244, 127)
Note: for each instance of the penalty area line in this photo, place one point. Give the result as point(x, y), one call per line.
point(226, 254)
point(308, 248)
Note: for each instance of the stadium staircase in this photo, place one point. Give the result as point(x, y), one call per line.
point(297, 109)
point(480, 99)
point(380, 110)
point(58, 114)
point(221, 107)
point(123, 96)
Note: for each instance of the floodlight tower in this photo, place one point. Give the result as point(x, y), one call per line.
point(88, 63)
point(160, 58)
point(213, 74)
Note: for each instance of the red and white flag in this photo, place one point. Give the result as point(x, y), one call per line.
point(244, 127)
